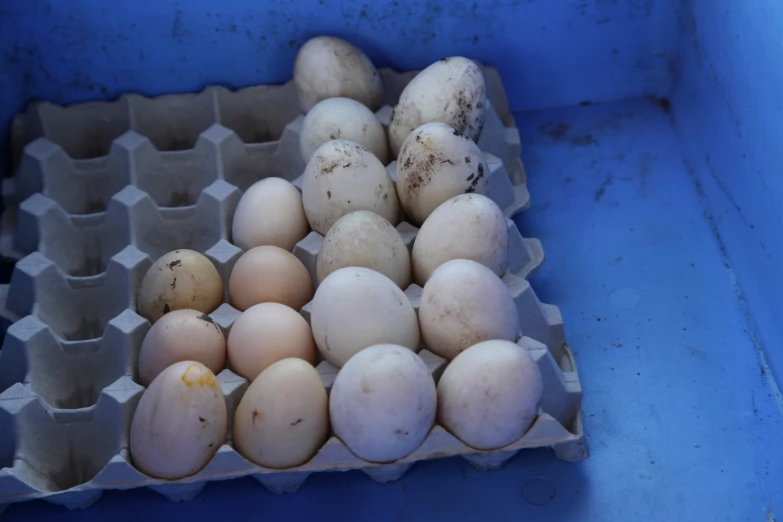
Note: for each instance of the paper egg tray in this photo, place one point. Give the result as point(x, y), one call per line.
point(86, 231)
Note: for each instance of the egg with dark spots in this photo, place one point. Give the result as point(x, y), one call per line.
point(450, 91)
point(341, 177)
point(434, 165)
point(177, 280)
point(328, 67)
point(383, 403)
point(468, 226)
point(180, 422)
point(283, 418)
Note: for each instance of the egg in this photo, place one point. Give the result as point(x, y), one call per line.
point(270, 212)
point(383, 403)
point(342, 118)
point(266, 333)
point(342, 176)
point(356, 307)
point(436, 163)
point(489, 395)
point(269, 274)
point(450, 91)
point(364, 239)
point(468, 226)
point(283, 418)
point(464, 303)
point(180, 279)
point(180, 422)
point(328, 67)
point(181, 335)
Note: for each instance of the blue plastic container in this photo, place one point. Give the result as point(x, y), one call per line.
point(649, 131)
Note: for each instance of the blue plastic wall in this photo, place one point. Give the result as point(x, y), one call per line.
point(549, 52)
point(728, 104)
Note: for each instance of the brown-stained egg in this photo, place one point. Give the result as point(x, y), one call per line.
point(180, 279)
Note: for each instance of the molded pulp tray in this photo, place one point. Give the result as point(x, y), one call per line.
point(86, 231)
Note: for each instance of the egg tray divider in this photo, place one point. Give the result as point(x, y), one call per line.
point(88, 229)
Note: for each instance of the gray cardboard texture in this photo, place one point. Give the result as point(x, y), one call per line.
point(102, 190)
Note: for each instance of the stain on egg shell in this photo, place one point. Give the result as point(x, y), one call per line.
point(180, 422)
point(451, 91)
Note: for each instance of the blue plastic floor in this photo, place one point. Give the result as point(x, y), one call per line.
point(678, 413)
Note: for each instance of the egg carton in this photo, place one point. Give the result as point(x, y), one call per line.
point(69, 456)
point(88, 228)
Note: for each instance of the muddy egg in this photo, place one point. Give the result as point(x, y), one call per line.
point(344, 119)
point(181, 335)
point(328, 67)
point(180, 422)
point(342, 176)
point(266, 333)
point(179, 279)
point(468, 226)
point(489, 395)
point(269, 274)
point(269, 213)
point(436, 163)
point(283, 418)
point(450, 91)
point(382, 404)
point(464, 303)
point(356, 307)
point(365, 239)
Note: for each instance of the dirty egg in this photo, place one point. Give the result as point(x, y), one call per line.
point(328, 67)
point(346, 119)
point(283, 418)
point(266, 333)
point(181, 335)
point(436, 163)
point(270, 212)
point(356, 307)
point(383, 403)
point(180, 279)
point(450, 91)
point(464, 303)
point(342, 176)
point(364, 239)
point(269, 274)
point(489, 395)
point(469, 226)
point(180, 422)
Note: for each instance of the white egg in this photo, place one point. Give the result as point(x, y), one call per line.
point(356, 307)
point(269, 213)
point(342, 176)
point(469, 226)
point(450, 91)
point(328, 67)
point(180, 279)
point(436, 163)
point(180, 422)
point(464, 303)
point(283, 418)
point(383, 403)
point(365, 239)
point(342, 119)
point(181, 335)
point(489, 395)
